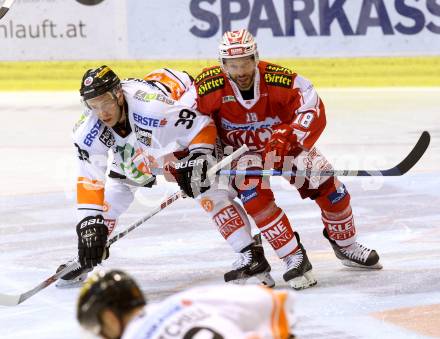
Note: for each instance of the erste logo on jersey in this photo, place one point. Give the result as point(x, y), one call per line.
point(254, 134)
point(90, 137)
point(150, 122)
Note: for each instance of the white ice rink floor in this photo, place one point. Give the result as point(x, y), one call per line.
point(179, 248)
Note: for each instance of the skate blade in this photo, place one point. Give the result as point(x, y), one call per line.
point(352, 264)
point(304, 281)
point(264, 278)
point(74, 283)
point(68, 284)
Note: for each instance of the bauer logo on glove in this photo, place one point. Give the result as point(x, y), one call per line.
point(92, 241)
point(191, 173)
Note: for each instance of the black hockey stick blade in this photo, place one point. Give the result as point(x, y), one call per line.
point(406, 164)
point(5, 8)
point(414, 156)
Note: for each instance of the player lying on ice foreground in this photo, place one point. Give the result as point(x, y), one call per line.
point(279, 116)
point(112, 305)
point(144, 126)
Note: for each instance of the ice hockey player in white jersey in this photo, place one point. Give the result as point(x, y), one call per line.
point(111, 305)
point(143, 125)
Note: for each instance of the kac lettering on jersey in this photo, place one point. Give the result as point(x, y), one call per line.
point(150, 122)
point(92, 134)
point(316, 18)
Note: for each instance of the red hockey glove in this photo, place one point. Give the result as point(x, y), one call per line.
point(282, 141)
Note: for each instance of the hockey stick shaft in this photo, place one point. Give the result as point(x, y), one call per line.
point(5, 8)
point(12, 300)
point(211, 172)
point(404, 166)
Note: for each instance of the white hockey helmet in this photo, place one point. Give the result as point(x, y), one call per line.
point(237, 44)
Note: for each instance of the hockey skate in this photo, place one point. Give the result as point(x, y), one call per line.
point(355, 255)
point(299, 269)
point(72, 279)
point(251, 264)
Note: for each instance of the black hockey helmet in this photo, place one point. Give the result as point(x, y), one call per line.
point(114, 290)
point(97, 81)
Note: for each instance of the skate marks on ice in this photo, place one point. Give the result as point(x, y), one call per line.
point(402, 222)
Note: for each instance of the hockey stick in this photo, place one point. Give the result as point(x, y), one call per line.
point(5, 8)
point(404, 166)
point(12, 300)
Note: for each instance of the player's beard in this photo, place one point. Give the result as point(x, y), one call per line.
point(246, 82)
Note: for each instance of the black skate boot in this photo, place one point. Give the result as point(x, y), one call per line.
point(299, 269)
point(355, 255)
point(251, 263)
point(72, 279)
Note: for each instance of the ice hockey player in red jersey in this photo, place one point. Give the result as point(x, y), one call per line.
point(139, 124)
point(112, 305)
point(280, 116)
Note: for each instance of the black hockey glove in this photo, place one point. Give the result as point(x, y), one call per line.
point(190, 173)
point(92, 239)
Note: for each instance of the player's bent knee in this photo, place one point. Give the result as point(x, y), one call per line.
point(333, 197)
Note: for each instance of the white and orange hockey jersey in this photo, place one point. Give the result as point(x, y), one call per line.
point(223, 311)
point(159, 126)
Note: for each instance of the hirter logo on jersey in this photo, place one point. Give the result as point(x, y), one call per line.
point(275, 79)
point(211, 85)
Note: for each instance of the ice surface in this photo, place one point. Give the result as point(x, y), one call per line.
point(367, 128)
